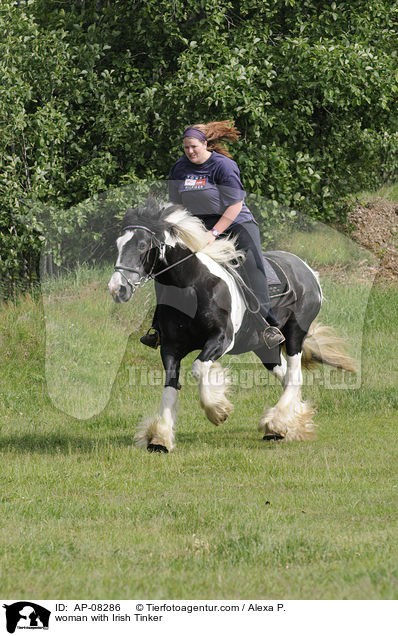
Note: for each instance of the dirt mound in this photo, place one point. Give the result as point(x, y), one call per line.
point(375, 226)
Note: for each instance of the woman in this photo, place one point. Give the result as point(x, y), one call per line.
point(206, 181)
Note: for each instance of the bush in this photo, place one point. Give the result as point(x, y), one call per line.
point(95, 95)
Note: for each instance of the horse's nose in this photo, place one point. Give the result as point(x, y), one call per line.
point(119, 290)
point(114, 286)
point(122, 293)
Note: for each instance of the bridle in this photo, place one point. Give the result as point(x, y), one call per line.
point(161, 246)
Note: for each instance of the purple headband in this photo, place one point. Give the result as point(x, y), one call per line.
point(195, 132)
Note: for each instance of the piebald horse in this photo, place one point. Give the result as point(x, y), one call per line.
point(201, 306)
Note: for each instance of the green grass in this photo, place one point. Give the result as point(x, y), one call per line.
point(84, 514)
point(325, 247)
point(389, 192)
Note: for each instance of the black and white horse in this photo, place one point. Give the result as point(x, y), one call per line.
point(200, 306)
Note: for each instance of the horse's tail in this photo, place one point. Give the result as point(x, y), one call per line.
point(323, 346)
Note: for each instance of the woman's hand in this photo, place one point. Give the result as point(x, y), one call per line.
point(210, 238)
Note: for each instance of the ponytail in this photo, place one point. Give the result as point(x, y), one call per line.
point(218, 131)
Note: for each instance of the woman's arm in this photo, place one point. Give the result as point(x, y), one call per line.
point(226, 219)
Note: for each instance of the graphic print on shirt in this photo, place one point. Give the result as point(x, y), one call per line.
point(193, 182)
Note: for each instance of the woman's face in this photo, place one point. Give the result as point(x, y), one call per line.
point(195, 150)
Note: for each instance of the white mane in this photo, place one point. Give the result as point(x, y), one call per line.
point(191, 232)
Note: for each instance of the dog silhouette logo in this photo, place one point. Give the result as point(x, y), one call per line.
point(26, 615)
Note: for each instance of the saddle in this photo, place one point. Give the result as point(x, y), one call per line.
point(278, 282)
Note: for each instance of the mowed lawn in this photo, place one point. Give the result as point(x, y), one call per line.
point(84, 514)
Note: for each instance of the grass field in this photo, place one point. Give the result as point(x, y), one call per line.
point(87, 515)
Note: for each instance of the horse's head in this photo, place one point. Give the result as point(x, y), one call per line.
point(138, 251)
point(145, 232)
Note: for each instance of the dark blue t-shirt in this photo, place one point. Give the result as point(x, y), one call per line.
point(208, 188)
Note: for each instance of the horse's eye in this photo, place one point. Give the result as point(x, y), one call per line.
point(142, 246)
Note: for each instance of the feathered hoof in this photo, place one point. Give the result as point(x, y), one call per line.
point(153, 447)
point(218, 415)
point(150, 435)
point(269, 437)
point(292, 425)
point(272, 426)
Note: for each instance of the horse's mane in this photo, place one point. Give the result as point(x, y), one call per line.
point(183, 227)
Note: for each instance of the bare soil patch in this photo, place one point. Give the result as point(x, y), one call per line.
point(375, 226)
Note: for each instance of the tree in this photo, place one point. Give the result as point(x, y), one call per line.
point(95, 95)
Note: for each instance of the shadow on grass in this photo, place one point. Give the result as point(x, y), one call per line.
point(50, 443)
point(226, 439)
point(56, 443)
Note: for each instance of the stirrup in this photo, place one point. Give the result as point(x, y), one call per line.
point(273, 337)
point(151, 339)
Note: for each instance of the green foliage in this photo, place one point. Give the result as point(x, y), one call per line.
point(94, 95)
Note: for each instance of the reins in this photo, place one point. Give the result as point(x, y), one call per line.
point(174, 264)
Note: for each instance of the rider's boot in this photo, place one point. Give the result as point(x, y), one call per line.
point(151, 339)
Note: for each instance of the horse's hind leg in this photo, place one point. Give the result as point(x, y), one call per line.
point(278, 369)
point(157, 434)
point(291, 417)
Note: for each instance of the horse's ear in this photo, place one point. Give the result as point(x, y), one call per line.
point(152, 205)
point(128, 216)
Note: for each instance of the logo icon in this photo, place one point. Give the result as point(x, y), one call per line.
point(26, 615)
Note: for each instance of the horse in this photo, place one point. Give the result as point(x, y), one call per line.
point(202, 306)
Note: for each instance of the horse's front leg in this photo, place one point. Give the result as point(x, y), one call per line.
point(213, 380)
point(157, 435)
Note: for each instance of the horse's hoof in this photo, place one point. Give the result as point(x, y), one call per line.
point(269, 437)
point(157, 448)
